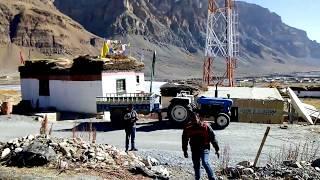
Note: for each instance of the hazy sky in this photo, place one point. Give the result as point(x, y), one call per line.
point(302, 14)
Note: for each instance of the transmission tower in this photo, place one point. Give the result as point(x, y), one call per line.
point(222, 40)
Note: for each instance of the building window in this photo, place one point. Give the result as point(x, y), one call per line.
point(44, 89)
point(121, 85)
point(138, 79)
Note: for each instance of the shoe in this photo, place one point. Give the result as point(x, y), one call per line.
point(134, 149)
point(126, 151)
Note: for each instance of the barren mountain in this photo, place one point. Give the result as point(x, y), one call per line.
point(175, 28)
point(38, 28)
point(267, 44)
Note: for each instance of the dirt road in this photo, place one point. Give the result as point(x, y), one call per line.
point(164, 142)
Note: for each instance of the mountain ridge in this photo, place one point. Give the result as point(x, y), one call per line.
point(175, 28)
point(267, 45)
point(37, 29)
point(183, 23)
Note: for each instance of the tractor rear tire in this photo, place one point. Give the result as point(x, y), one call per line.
point(179, 113)
point(222, 121)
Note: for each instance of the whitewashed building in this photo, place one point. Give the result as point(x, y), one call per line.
point(75, 88)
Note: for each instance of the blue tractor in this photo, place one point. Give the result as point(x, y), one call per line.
point(211, 109)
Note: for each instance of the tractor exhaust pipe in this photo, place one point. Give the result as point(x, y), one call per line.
point(216, 91)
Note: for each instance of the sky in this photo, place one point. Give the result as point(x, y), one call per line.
point(301, 14)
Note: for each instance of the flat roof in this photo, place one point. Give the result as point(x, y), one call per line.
point(244, 93)
point(82, 65)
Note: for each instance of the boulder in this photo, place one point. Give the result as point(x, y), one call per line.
point(36, 154)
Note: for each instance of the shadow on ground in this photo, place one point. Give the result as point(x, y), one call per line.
point(108, 126)
point(75, 116)
point(158, 125)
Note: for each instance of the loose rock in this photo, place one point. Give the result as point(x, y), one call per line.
point(74, 153)
point(5, 153)
point(17, 150)
point(248, 171)
point(246, 164)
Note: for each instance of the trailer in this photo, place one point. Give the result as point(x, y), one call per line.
point(116, 104)
point(214, 110)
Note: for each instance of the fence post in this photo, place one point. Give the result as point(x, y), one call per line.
point(261, 146)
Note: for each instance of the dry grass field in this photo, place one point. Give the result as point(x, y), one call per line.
point(312, 101)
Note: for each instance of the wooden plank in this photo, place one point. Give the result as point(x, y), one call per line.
point(261, 146)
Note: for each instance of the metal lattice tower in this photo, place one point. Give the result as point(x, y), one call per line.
point(222, 40)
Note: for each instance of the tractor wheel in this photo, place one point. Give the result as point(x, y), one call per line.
point(222, 121)
point(178, 113)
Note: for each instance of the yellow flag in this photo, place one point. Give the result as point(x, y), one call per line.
point(101, 53)
point(104, 50)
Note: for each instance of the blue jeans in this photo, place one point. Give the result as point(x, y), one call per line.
point(130, 132)
point(202, 155)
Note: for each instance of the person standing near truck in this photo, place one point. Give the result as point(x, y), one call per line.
point(199, 135)
point(130, 118)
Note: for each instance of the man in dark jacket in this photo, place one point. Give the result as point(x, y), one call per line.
point(199, 135)
point(130, 118)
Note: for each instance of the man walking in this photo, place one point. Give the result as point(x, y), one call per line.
point(130, 118)
point(199, 135)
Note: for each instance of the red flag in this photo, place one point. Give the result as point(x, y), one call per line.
point(21, 58)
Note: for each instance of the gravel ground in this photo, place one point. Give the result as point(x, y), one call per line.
point(8, 173)
point(163, 142)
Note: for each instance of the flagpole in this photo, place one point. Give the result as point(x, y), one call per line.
point(152, 70)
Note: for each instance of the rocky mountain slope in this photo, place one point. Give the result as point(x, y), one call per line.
point(37, 26)
point(183, 23)
point(175, 28)
point(267, 44)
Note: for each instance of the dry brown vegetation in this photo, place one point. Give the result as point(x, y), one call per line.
point(306, 151)
point(10, 95)
point(312, 101)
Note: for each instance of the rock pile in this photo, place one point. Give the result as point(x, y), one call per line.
point(43, 150)
point(286, 170)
